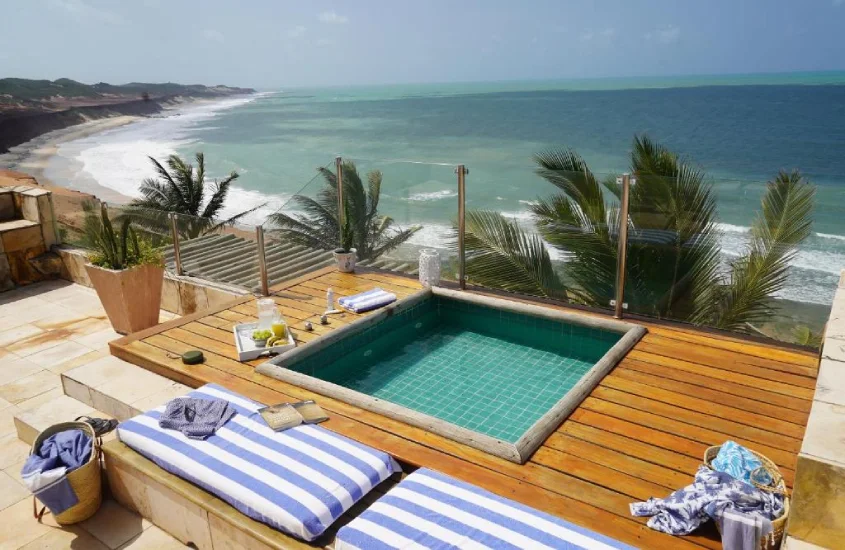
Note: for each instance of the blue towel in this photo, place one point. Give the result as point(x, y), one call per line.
point(367, 301)
point(737, 461)
point(196, 418)
point(45, 471)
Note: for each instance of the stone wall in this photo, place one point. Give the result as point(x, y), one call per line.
point(818, 504)
point(27, 231)
point(182, 295)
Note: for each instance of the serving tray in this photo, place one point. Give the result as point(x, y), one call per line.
point(246, 347)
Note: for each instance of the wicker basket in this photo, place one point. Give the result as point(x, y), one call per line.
point(86, 480)
point(773, 540)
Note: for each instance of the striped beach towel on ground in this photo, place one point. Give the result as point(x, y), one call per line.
point(299, 480)
point(367, 301)
point(431, 510)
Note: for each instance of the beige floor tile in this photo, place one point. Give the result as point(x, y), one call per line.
point(89, 325)
point(60, 409)
point(134, 386)
point(14, 471)
point(12, 450)
point(66, 292)
point(101, 371)
point(88, 357)
point(160, 398)
point(23, 313)
point(71, 537)
point(15, 369)
point(11, 491)
point(14, 335)
point(30, 386)
point(39, 400)
point(59, 318)
point(7, 420)
point(114, 525)
point(39, 342)
point(59, 354)
point(153, 539)
point(12, 535)
point(98, 339)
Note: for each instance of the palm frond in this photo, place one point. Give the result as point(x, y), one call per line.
point(499, 254)
point(784, 221)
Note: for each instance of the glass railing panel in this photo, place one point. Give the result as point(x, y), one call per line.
point(302, 233)
point(554, 236)
point(702, 251)
point(398, 208)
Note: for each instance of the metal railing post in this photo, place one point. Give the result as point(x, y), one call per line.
point(462, 261)
point(262, 261)
point(622, 255)
point(338, 167)
point(177, 254)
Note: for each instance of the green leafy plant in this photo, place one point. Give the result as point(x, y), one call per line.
point(673, 254)
point(181, 188)
point(119, 249)
point(365, 230)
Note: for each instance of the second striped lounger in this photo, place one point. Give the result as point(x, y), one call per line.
point(299, 481)
point(431, 510)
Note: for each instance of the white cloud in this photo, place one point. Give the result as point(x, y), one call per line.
point(324, 42)
point(837, 3)
point(213, 35)
point(333, 17)
point(81, 11)
point(665, 35)
point(296, 32)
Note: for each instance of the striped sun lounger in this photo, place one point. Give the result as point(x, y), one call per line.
point(299, 480)
point(367, 301)
point(431, 510)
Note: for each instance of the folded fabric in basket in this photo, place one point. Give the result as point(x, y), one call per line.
point(367, 301)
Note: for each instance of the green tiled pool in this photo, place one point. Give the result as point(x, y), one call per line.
point(491, 371)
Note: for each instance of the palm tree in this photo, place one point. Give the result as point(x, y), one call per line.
point(317, 227)
point(182, 189)
point(673, 260)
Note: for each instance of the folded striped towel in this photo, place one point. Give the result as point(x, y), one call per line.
point(367, 301)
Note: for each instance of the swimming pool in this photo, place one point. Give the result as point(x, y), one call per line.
point(491, 373)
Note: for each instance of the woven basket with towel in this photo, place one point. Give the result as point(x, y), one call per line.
point(778, 485)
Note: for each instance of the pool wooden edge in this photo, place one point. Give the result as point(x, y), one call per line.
point(528, 443)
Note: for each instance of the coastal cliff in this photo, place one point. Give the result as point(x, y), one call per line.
point(29, 108)
point(18, 127)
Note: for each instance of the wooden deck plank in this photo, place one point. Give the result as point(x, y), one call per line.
point(641, 433)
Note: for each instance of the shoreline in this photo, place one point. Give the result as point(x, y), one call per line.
point(33, 157)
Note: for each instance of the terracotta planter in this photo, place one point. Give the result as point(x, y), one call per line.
point(131, 297)
point(345, 261)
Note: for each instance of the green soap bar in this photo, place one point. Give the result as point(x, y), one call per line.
point(192, 357)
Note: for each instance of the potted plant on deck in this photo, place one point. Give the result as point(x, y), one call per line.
point(346, 256)
point(127, 272)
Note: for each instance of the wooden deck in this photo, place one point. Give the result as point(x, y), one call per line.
point(641, 433)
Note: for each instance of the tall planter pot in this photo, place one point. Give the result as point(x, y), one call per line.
point(131, 297)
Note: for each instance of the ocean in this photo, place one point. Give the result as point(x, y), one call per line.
point(739, 129)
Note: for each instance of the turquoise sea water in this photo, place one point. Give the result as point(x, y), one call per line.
point(483, 369)
point(740, 129)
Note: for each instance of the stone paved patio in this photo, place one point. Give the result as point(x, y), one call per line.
point(47, 329)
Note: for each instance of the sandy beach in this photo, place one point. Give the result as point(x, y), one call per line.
point(34, 156)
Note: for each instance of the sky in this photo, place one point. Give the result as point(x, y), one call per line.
point(272, 44)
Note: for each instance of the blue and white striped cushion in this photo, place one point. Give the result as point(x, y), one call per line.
point(431, 510)
point(299, 480)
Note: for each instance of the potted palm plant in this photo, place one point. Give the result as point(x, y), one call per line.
point(346, 255)
point(127, 272)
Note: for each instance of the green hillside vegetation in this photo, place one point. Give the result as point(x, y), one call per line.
point(42, 90)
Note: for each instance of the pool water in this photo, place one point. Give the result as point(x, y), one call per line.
point(491, 371)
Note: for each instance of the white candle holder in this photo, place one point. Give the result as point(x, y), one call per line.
point(429, 267)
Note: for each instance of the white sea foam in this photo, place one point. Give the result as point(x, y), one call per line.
point(432, 195)
point(119, 158)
